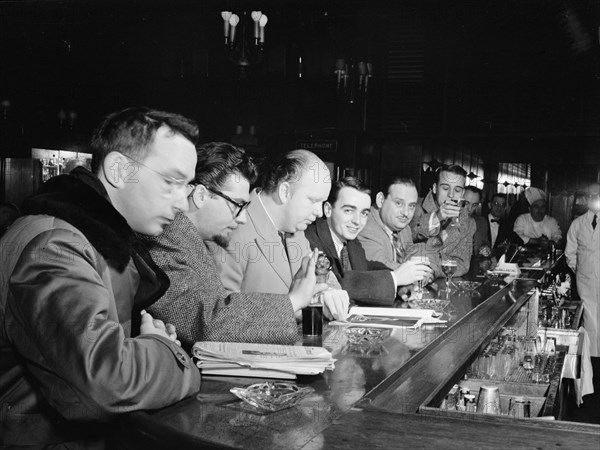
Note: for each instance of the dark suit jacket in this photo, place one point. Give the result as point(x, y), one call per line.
point(197, 302)
point(368, 281)
point(504, 231)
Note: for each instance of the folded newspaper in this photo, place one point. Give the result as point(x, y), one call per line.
point(260, 360)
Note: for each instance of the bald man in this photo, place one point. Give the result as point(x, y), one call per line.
point(266, 252)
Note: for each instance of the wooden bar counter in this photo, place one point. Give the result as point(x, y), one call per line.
point(373, 398)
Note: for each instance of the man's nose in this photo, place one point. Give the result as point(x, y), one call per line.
point(242, 218)
point(181, 201)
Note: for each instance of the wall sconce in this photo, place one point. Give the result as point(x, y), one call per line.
point(5, 105)
point(242, 50)
point(353, 79)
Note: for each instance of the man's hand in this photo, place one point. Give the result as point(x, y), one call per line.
point(335, 304)
point(449, 209)
point(412, 271)
point(303, 287)
point(485, 251)
point(150, 325)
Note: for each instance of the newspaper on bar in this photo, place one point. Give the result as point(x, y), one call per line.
point(260, 360)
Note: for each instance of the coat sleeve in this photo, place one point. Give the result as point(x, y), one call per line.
point(419, 225)
point(571, 247)
point(63, 320)
point(519, 228)
point(375, 287)
point(201, 309)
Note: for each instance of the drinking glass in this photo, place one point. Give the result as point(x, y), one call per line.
point(455, 221)
point(449, 267)
point(418, 291)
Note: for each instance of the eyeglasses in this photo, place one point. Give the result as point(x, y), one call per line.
point(171, 184)
point(241, 206)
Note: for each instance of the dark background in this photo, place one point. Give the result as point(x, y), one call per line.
point(489, 81)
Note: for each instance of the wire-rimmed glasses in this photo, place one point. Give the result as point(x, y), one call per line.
point(170, 184)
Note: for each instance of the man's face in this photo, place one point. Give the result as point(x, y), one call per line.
point(154, 191)
point(498, 207)
point(306, 197)
point(449, 186)
point(398, 207)
point(218, 215)
point(348, 215)
point(472, 201)
point(593, 198)
point(538, 210)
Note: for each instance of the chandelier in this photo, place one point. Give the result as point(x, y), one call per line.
point(353, 80)
point(243, 50)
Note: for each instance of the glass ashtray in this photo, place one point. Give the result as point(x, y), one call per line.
point(467, 285)
point(359, 335)
point(438, 305)
point(272, 396)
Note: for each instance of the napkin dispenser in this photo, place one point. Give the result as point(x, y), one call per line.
point(510, 270)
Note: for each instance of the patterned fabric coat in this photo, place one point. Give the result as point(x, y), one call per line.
point(197, 302)
point(457, 245)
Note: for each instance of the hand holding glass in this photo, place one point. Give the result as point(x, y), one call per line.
point(418, 291)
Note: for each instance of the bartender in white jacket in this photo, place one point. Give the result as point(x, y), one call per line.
point(583, 256)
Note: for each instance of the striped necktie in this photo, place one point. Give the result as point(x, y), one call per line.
point(346, 266)
point(594, 223)
point(398, 247)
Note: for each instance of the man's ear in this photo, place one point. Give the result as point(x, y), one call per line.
point(117, 170)
point(284, 192)
point(379, 199)
point(200, 196)
point(327, 209)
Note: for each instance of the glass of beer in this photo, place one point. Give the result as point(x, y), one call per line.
point(449, 267)
point(312, 315)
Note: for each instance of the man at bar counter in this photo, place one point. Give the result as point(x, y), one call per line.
point(196, 301)
point(76, 345)
point(582, 253)
point(499, 228)
point(536, 228)
point(386, 236)
point(481, 244)
point(441, 228)
point(265, 252)
point(346, 212)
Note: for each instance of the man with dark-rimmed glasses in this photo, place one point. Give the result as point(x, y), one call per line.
point(197, 302)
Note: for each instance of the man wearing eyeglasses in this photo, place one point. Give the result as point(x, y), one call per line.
point(197, 302)
point(76, 345)
point(268, 250)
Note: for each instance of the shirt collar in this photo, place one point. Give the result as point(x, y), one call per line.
point(267, 212)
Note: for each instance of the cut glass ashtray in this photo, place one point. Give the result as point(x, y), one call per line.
point(467, 285)
point(359, 335)
point(272, 396)
point(438, 305)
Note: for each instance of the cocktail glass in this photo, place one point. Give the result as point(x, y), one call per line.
point(449, 267)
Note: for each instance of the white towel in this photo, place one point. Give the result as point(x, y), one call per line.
point(584, 385)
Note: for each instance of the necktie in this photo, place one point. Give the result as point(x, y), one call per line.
point(594, 223)
point(346, 266)
point(398, 247)
point(282, 236)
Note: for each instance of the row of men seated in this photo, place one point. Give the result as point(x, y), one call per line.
point(110, 271)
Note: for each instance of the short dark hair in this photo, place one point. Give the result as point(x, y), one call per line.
point(501, 195)
point(352, 182)
point(132, 130)
point(218, 160)
point(452, 168)
point(286, 167)
point(394, 179)
point(474, 190)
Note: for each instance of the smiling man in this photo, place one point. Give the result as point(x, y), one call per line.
point(268, 249)
point(197, 302)
point(346, 212)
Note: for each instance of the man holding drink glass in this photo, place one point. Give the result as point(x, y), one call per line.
point(441, 226)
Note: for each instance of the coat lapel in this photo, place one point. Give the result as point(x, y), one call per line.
point(269, 243)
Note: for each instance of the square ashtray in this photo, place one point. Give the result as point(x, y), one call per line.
point(467, 285)
point(438, 305)
point(370, 336)
point(272, 396)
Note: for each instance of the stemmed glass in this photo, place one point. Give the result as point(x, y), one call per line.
point(449, 267)
point(455, 221)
